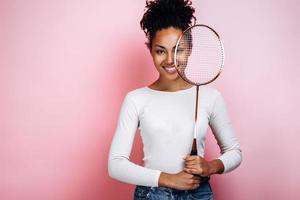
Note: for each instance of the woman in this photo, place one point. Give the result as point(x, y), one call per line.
point(164, 111)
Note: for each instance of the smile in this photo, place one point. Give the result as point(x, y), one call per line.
point(170, 70)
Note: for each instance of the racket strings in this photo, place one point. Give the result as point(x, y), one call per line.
point(199, 55)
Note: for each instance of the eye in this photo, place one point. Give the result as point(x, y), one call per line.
point(180, 50)
point(159, 52)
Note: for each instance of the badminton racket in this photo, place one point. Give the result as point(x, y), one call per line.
point(199, 60)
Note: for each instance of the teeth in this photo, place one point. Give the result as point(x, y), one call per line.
point(170, 69)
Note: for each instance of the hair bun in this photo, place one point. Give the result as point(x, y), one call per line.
point(161, 14)
point(179, 8)
point(169, 8)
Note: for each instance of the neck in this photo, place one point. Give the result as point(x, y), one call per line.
point(170, 85)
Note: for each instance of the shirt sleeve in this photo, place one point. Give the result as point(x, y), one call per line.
point(119, 165)
point(220, 124)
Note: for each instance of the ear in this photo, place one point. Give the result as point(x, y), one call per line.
point(148, 45)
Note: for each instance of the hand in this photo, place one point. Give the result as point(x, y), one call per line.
point(197, 165)
point(179, 181)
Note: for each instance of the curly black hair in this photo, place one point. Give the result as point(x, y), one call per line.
point(164, 14)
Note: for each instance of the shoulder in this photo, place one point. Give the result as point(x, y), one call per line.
point(210, 92)
point(213, 98)
point(137, 94)
point(136, 91)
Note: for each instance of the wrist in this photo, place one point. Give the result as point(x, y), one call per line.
point(216, 167)
point(164, 179)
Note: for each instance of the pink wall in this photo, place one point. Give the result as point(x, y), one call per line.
point(65, 67)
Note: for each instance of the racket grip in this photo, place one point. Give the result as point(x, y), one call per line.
point(202, 178)
point(194, 152)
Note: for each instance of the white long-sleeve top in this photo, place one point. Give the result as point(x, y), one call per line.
point(166, 122)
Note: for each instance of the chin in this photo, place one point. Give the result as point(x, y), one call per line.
point(171, 77)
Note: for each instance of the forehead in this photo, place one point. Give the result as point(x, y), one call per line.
point(167, 37)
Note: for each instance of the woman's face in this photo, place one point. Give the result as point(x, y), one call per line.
point(162, 51)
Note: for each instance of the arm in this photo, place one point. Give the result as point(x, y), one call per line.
point(119, 165)
point(230, 149)
point(221, 127)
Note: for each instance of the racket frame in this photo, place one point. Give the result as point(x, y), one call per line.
point(194, 146)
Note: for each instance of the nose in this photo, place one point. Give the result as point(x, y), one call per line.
point(170, 59)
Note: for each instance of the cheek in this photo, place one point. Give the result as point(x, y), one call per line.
point(158, 60)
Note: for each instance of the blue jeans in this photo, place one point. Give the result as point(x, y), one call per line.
point(203, 192)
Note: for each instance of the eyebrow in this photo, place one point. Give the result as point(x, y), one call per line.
point(163, 46)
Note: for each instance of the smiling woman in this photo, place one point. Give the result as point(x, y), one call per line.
point(163, 111)
point(163, 23)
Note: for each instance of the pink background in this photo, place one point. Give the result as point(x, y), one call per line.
point(65, 67)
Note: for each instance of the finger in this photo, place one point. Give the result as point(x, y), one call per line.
point(193, 171)
point(193, 167)
point(194, 158)
point(190, 161)
point(196, 181)
point(189, 165)
point(190, 171)
point(187, 158)
point(195, 186)
point(193, 182)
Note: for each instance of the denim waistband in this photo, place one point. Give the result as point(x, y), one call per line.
point(175, 191)
point(145, 192)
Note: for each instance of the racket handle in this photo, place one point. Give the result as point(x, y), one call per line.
point(194, 152)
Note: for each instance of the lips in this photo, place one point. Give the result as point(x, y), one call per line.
point(170, 70)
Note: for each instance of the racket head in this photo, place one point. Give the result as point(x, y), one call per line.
point(199, 55)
